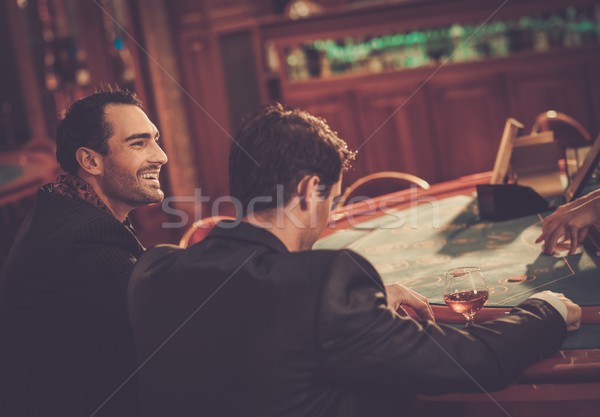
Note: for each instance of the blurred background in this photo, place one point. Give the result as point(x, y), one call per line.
point(418, 86)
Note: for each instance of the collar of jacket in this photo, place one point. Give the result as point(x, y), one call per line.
point(46, 196)
point(240, 230)
point(49, 191)
point(70, 185)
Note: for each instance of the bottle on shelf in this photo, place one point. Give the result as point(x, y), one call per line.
point(498, 40)
point(525, 30)
point(438, 46)
point(457, 34)
point(556, 26)
point(586, 26)
point(572, 38)
point(541, 42)
point(469, 43)
point(296, 65)
point(271, 58)
point(482, 42)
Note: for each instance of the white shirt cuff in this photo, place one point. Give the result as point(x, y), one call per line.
point(553, 301)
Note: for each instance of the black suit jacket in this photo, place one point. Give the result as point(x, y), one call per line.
point(238, 326)
point(66, 344)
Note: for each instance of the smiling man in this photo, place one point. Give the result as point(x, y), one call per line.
point(66, 343)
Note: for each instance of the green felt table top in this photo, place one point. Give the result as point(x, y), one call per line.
point(9, 173)
point(415, 246)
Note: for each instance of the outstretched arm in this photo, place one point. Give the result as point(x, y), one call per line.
point(362, 342)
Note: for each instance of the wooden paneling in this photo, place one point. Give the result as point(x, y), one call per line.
point(559, 88)
point(169, 99)
point(592, 81)
point(241, 78)
point(90, 18)
point(396, 135)
point(206, 103)
point(14, 126)
point(190, 13)
point(213, 38)
point(469, 115)
point(452, 126)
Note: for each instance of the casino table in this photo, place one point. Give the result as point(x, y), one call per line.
point(22, 173)
point(412, 237)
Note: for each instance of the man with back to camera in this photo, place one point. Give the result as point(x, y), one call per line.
point(66, 340)
point(251, 322)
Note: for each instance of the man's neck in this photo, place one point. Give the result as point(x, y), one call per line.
point(119, 211)
point(289, 235)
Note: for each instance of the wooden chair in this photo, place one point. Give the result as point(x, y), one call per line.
point(573, 139)
point(200, 229)
point(568, 132)
point(380, 183)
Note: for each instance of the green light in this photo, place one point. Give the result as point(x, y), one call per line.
point(357, 48)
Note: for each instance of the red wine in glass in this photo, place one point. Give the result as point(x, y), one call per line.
point(465, 291)
point(466, 302)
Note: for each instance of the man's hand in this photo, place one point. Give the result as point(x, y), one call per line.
point(573, 312)
point(570, 222)
point(398, 295)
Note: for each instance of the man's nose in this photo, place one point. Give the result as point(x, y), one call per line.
point(159, 155)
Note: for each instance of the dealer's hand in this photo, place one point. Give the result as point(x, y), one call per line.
point(570, 222)
point(398, 295)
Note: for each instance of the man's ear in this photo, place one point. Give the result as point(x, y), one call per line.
point(89, 160)
point(308, 191)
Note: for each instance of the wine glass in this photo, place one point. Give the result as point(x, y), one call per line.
point(465, 291)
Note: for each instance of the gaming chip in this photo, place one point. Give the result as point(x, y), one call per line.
point(562, 249)
point(518, 278)
point(563, 246)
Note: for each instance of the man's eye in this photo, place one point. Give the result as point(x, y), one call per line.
point(138, 143)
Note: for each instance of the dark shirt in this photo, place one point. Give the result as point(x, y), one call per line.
point(238, 326)
point(66, 344)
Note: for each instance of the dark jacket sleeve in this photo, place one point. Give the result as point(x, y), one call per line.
point(362, 342)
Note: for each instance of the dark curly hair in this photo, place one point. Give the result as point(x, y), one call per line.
point(84, 125)
point(279, 146)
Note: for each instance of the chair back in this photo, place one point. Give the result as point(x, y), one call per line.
point(200, 229)
point(568, 132)
point(574, 140)
point(380, 183)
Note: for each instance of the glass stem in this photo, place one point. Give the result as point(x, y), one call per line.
point(470, 321)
